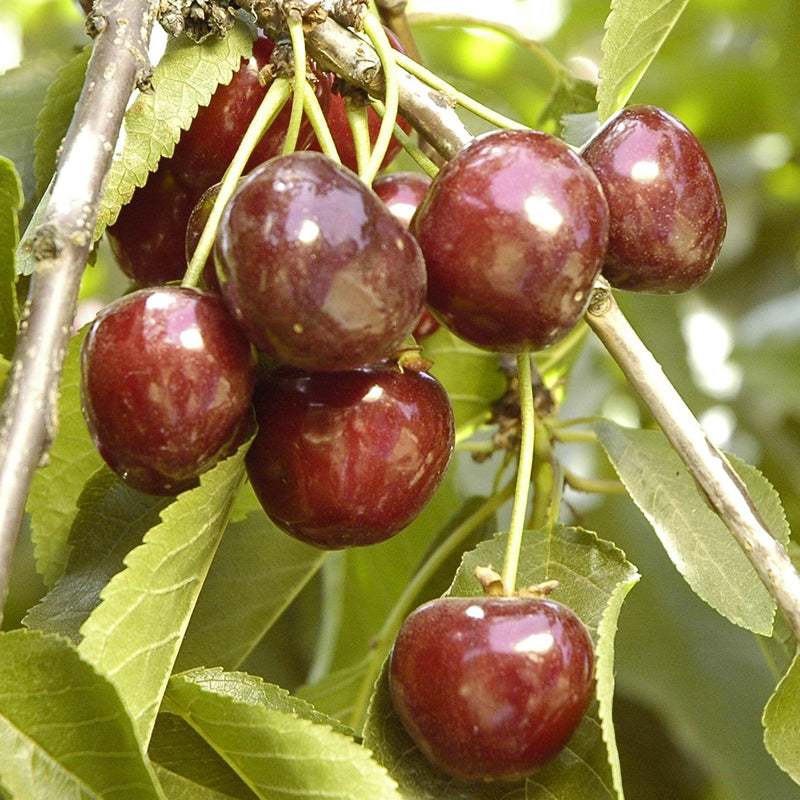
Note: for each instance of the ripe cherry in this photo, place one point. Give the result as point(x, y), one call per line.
point(147, 237)
point(314, 267)
point(167, 382)
point(348, 458)
point(514, 230)
point(207, 147)
point(668, 217)
point(491, 688)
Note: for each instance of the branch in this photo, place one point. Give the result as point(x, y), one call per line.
point(717, 481)
point(60, 245)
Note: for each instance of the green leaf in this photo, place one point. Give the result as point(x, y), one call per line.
point(183, 80)
point(635, 31)
point(112, 519)
point(782, 722)
point(5, 368)
point(10, 204)
point(696, 540)
point(253, 554)
point(73, 458)
point(56, 115)
point(594, 578)
point(64, 732)
point(278, 744)
point(135, 633)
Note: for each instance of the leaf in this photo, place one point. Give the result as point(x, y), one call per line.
point(276, 743)
point(782, 722)
point(635, 31)
point(10, 205)
point(696, 540)
point(112, 519)
point(56, 115)
point(594, 578)
point(64, 732)
point(73, 458)
point(336, 693)
point(184, 79)
point(134, 635)
point(257, 571)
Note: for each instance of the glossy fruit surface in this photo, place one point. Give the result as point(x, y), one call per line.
point(514, 230)
point(314, 267)
point(208, 146)
point(167, 382)
point(348, 458)
point(668, 217)
point(194, 230)
point(491, 688)
point(147, 239)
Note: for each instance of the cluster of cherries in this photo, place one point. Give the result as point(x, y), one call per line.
point(327, 279)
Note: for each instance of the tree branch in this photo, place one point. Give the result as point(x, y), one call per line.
point(60, 245)
point(717, 481)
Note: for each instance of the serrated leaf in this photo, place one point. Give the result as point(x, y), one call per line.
point(73, 458)
point(277, 744)
point(257, 571)
point(696, 540)
point(112, 519)
point(594, 578)
point(64, 732)
point(635, 31)
point(10, 205)
point(782, 722)
point(176, 787)
point(183, 80)
point(135, 633)
point(56, 114)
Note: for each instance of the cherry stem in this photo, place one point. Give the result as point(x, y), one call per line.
point(299, 50)
point(545, 471)
point(464, 100)
point(380, 41)
point(423, 162)
point(593, 485)
point(319, 124)
point(404, 603)
point(524, 471)
point(270, 107)
point(359, 127)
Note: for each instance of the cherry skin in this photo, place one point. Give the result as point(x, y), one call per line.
point(668, 217)
point(147, 237)
point(167, 381)
point(348, 458)
point(514, 230)
point(207, 147)
point(491, 688)
point(314, 267)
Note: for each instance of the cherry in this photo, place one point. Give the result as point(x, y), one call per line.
point(348, 458)
point(147, 237)
point(194, 230)
point(314, 267)
point(514, 231)
point(167, 382)
point(207, 147)
point(491, 688)
point(668, 217)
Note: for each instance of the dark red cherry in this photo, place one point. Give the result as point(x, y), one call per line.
point(147, 239)
point(204, 150)
point(491, 688)
point(315, 268)
point(514, 231)
point(668, 217)
point(348, 458)
point(167, 382)
point(194, 230)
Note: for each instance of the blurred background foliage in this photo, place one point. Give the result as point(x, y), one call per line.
point(691, 686)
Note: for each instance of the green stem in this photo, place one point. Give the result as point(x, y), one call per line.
point(594, 485)
point(523, 485)
point(400, 610)
point(544, 475)
point(359, 127)
point(270, 107)
point(464, 100)
point(299, 51)
point(319, 123)
point(380, 41)
point(409, 145)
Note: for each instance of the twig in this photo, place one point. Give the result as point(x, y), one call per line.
point(60, 246)
point(717, 481)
